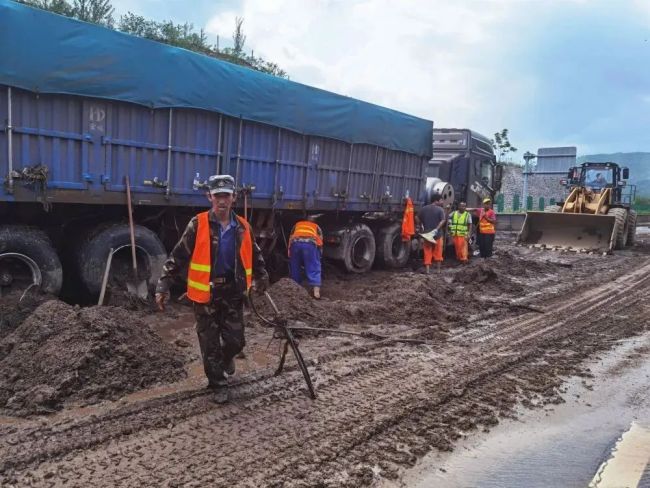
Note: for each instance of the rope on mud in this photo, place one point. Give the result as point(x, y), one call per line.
point(366, 335)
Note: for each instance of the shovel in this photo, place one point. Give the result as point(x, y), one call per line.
point(136, 287)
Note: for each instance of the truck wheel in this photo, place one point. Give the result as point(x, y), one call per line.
point(93, 252)
point(620, 226)
point(26, 257)
point(631, 227)
point(359, 249)
point(391, 251)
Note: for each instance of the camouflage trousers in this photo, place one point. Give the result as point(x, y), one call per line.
point(220, 328)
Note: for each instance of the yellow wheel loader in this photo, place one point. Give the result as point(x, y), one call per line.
point(596, 216)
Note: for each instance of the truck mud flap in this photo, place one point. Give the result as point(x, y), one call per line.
point(568, 231)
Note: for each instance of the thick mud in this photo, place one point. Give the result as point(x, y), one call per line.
point(499, 334)
point(15, 307)
point(63, 353)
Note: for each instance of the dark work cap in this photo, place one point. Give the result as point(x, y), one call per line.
point(221, 184)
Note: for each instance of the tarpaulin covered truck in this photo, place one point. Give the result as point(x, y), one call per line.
point(82, 107)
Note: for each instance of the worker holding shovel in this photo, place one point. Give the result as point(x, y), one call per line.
point(431, 218)
point(218, 248)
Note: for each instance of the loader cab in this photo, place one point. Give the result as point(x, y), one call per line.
point(598, 176)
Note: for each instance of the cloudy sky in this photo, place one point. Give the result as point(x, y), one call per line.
point(555, 72)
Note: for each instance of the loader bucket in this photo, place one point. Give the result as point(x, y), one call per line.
point(569, 231)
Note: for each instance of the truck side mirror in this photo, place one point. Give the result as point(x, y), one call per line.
point(626, 173)
point(498, 177)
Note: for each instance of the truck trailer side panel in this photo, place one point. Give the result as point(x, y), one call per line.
point(89, 146)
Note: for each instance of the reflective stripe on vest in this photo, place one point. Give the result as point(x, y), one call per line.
point(459, 224)
point(484, 226)
point(307, 230)
point(198, 275)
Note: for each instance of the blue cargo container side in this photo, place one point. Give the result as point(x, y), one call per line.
point(89, 145)
point(47, 53)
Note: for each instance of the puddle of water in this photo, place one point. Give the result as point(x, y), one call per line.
point(560, 447)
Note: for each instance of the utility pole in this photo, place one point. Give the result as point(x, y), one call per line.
point(527, 157)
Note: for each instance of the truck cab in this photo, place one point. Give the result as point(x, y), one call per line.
point(464, 159)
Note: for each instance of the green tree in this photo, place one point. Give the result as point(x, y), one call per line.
point(181, 35)
point(501, 145)
point(238, 37)
point(60, 7)
point(95, 11)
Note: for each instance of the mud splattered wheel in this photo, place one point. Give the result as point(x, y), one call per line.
point(620, 227)
point(391, 251)
point(631, 227)
point(93, 251)
point(28, 259)
point(359, 249)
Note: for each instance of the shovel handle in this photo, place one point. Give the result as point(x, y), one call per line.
point(105, 279)
point(131, 229)
point(275, 308)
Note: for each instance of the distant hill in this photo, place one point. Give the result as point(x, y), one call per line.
point(638, 162)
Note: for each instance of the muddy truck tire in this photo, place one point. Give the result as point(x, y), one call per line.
point(620, 227)
point(631, 227)
point(27, 253)
point(359, 249)
point(94, 249)
point(391, 251)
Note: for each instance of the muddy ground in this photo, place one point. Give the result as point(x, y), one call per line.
point(498, 334)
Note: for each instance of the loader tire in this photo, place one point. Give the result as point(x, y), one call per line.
point(358, 249)
point(631, 227)
point(620, 227)
point(93, 252)
point(553, 209)
point(392, 252)
point(32, 247)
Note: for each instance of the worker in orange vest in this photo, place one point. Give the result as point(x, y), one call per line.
point(223, 264)
point(486, 228)
point(305, 250)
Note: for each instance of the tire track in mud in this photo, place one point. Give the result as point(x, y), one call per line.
point(590, 298)
point(369, 400)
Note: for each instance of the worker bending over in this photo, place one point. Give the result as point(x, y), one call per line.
point(431, 218)
point(460, 228)
point(219, 251)
point(305, 251)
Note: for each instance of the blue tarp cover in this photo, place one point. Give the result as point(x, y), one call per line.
point(48, 53)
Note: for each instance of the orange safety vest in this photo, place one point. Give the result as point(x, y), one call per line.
point(485, 227)
point(198, 274)
point(306, 230)
point(408, 221)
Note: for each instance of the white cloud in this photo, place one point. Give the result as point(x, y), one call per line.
point(432, 59)
point(469, 63)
